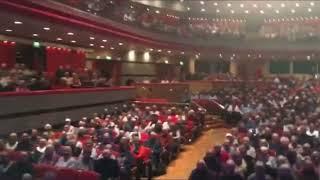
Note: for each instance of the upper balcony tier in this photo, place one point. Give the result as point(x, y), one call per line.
point(287, 31)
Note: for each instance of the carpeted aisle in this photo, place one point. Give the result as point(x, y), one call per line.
point(185, 163)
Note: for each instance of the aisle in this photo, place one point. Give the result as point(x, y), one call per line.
point(184, 164)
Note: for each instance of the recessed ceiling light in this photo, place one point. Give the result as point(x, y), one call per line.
point(166, 61)
point(255, 5)
point(46, 28)
point(8, 30)
point(217, 10)
point(188, 8)
point(70, 33)
point(18, 22)
point(277, 11)
point(159, 50)
point(203, 10)
point(91, 44)
point(59, 39)
point(261, 11)
point(131, 7)
point(309, 10)
point(104, 40)
point(169, 52)
point(157, 11)
point(112, 48)
point(182, 52)
point(241, 5)
point(232, 11)
point(246, 11)
point(297, 5)
point(150, 49)
point(283, 5)
point(202, 2)
point(73, 41)
point(92, 38)
point(120, 44)
point(293, 11)
point(229, 5)
point(311, 3)
point(102, 46)
point(35, 35)
point(269, 5)
point(215, 4)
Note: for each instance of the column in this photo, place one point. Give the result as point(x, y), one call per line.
point(192, 68)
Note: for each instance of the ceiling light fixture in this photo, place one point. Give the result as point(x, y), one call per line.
point(217, 10)
point(283, 5)
point(46, 28)
point(35, 35)
point(169, 52)
point(18, 22)
point(277, 11)
point(311, 3)
point(92, 38)
point(246, 11)
point(70, 33)
point(157, 11)
point(202, 2)
point(182, 52)
point(255, 5)
point(297, 5)
point(215, 4)
point(232, 11)
point(159, 50)
point(104, 40)
point(102, 46)
point(261, 11)
point(59, 39)
point(73, 41)
point(269, 5)
point(91, 45)
point(188, 8)
point(203, 10)
point(293, 11)
point(309, 10)
point(120, 44)
point(8, 30)
point(112, 48)
point(241, 5)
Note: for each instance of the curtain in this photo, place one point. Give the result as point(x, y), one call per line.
point(8, 53)
point(61, 57)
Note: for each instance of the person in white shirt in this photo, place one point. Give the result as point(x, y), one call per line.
point(66, 160)
point(312, 131)
point(12, 142)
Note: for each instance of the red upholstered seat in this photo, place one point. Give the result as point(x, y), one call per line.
point(88, 175)
point(14, 155)
point(67, 174)
point(41, 170)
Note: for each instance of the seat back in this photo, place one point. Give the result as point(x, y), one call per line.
point(88, 175)
point(67, 174)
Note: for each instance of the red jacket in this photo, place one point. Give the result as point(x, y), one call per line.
point(144, 153)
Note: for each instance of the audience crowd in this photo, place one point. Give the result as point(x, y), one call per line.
point(276, 137)
point(125, 142)
point(21, 78)
point(291, 30)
